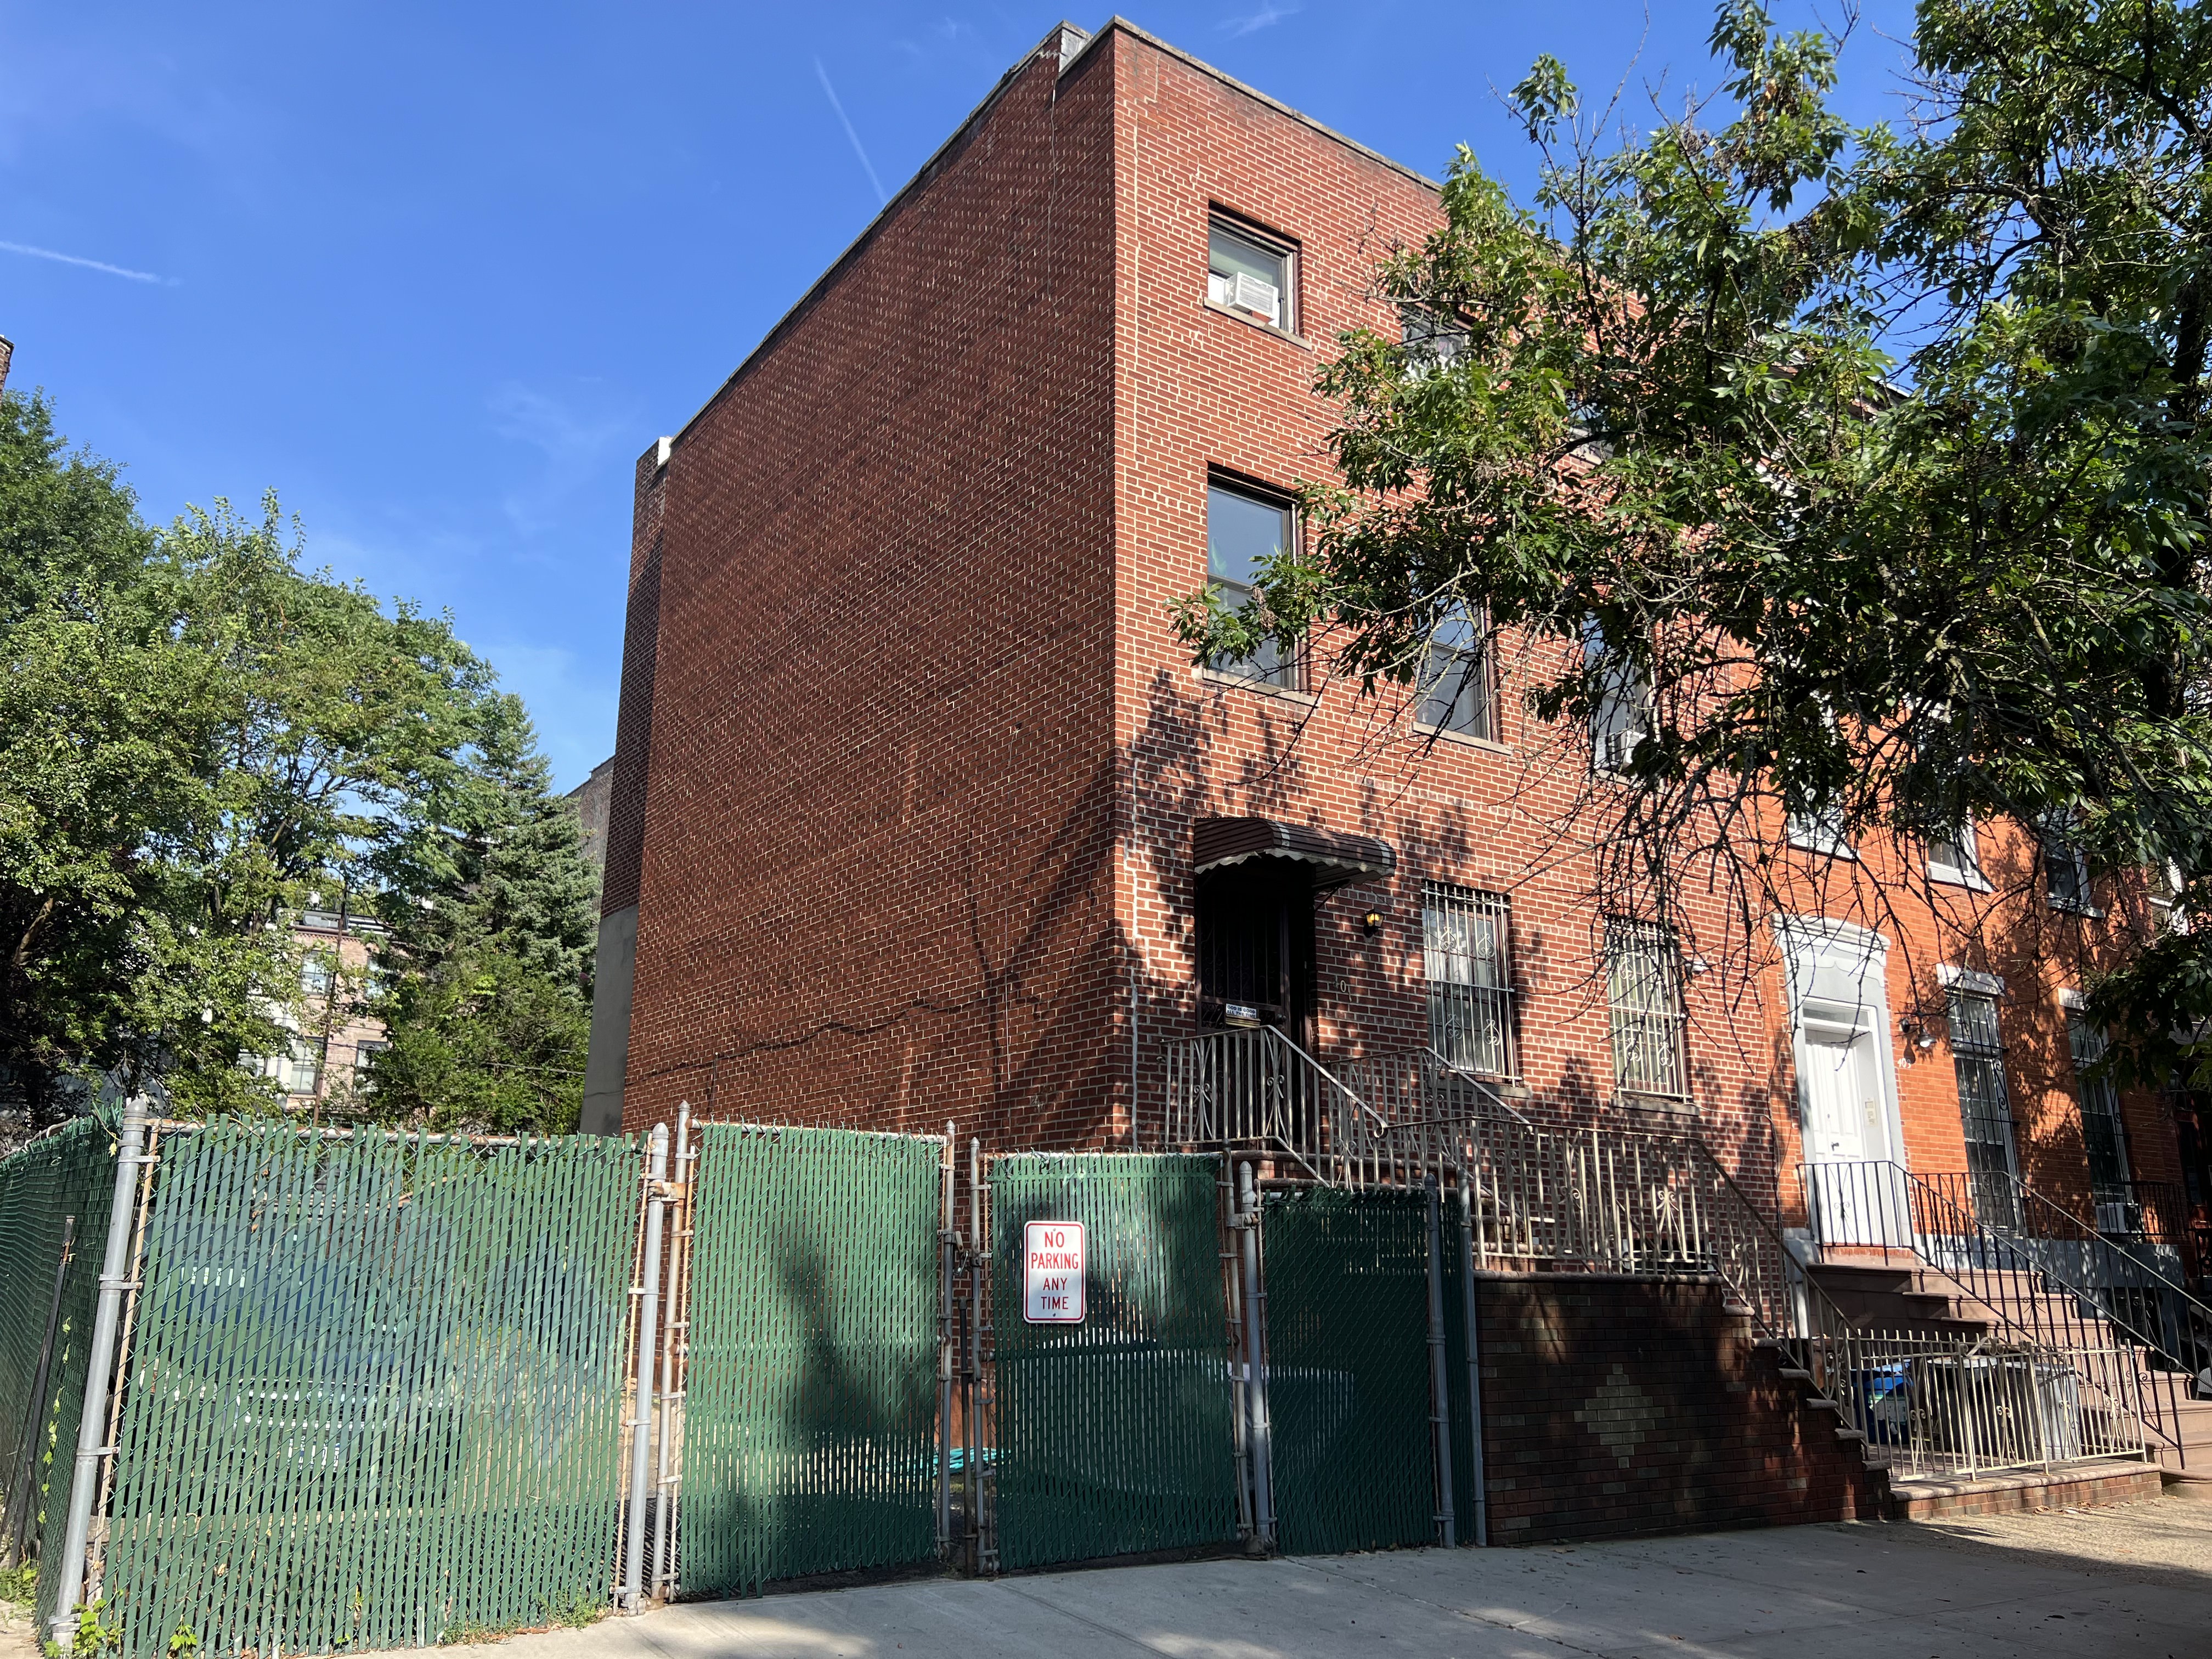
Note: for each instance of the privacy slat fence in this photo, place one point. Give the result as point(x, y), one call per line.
point(373, 1398)
point(55, 1189)
point(374, 1391)
point(1348, 1372)
point(1113, 1435)
point(810, 1430)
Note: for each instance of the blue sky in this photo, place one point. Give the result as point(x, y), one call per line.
point(437, 273)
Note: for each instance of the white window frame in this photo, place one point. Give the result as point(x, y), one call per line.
point(1622, 719)
point(1954, 874)
point(1459, 664)
point(1222, 290)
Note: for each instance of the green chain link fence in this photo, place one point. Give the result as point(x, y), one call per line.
point(809, 1438)
point(1347, 1301)
point(1114, 1436)
point(70, 1172)
point(374, 1395)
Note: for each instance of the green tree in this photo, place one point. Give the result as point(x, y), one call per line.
point(192, 730)
point(1867, 466)
point(488, 1004)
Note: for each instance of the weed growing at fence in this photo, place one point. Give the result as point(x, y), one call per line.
point(91, 1637)
point(184, 1643)
point(579, 1609)
point(19, 1582)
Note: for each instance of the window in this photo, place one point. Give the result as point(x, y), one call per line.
point(1431, 339)
point(2103, 1137)
point(1250, 273)
point(1644, 986)
point(2065, 872)
point(1953, 856)
point(1243, 530)
point(2165, 889)
point(1985, 1107)
point(1622, 719)
point(1464, 950)
point(298, 1069)
point(1820, 831)
point(1456, 690)
point(364, 1056)
point(315, 975)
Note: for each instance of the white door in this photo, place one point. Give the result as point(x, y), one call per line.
point(1842, 1138)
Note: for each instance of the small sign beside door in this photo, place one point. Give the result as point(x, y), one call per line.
point(1052, 1272)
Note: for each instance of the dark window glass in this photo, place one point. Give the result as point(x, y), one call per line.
point(1242, 531)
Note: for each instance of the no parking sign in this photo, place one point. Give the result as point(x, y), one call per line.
point(1052, 1272)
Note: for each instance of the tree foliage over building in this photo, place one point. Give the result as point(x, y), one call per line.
point(1869, 463)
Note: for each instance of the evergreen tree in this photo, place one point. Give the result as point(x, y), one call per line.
point(487, 997)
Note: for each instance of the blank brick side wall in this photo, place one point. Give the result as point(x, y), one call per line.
point(1614, 1407)
point(878, 828)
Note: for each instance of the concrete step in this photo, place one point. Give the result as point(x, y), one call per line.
point(2083, 1485)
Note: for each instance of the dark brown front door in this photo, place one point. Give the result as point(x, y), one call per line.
point(1255, 947)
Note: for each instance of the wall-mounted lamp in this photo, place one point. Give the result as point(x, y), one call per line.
point(1915, 1031)
point(1372, 923)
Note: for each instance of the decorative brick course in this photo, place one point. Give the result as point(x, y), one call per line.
point(1615, 1407)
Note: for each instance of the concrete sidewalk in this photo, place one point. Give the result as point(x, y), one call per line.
point(2097, 1585)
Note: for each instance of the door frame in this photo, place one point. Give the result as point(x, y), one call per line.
point(1837, 975)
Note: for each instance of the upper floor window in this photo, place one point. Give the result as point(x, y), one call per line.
point(1622, 718)
point(1431, 338)
point(1457, 691)
point(1464, 951)
point(1251, 272)
point(2065, 871)
point(1243, 528)
point(1643, 985)
point(1819, 831)
point(315, 975)
point(1954, 856)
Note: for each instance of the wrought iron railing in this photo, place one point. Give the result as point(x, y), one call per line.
point(1973, 1406)
point(2052, 1292)
point(1546, 1192)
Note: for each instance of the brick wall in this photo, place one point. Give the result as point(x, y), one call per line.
point(1616, 1407)
point(877, 835)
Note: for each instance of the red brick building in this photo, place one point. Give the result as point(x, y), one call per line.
point(923, 812)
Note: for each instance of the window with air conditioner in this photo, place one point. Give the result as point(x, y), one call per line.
point(1245, 529)
point(1622, 718)
point(1251, 274)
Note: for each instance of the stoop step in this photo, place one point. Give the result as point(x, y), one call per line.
point(2085, 1486)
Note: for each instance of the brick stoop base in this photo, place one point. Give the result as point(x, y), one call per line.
point(2087, 1486)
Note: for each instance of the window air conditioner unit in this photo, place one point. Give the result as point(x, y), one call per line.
point(1248, 293)
point(1618, 748)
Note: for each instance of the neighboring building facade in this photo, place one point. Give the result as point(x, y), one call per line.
point(921, 812)
point(334, 1038)
point(591, 798)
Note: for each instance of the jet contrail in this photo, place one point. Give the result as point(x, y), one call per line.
point(824, 74)
point(99, 265)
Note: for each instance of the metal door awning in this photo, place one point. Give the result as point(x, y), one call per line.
point(1330, 859)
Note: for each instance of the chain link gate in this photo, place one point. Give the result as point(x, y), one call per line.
point(374, 1393)
point(809, 1440)
point(1349, 1369)
point(1113, 1435)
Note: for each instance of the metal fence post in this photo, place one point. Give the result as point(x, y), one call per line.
point(99, 1373)
point(1439, 1375)
point(1475, 1471)
point(974, 1379)
point(641, 1470)
point(948, 1241)
point(1263, 1496)
point(663, 1532)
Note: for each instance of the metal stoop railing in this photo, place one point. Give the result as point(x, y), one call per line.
point(1549, 1195)
point(2039, 1292)
point(1932, 1406)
